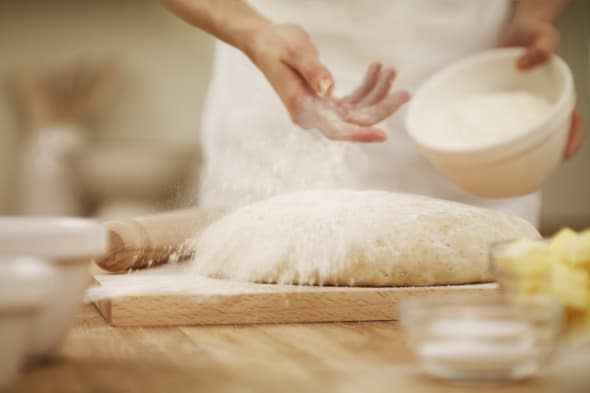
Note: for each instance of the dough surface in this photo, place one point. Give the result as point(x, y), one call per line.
point(355, 238)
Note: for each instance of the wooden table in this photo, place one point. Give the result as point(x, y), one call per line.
point(303, 358)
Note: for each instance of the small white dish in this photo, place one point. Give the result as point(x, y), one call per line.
point(69, 244)
point(51, 325)
point(52, 237)
point(25, 285)
point(481, 338)
point(513, 166)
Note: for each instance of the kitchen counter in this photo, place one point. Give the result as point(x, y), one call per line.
point(328, 357)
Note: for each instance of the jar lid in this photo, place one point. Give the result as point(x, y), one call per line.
point(25, 282)
point(52, 237)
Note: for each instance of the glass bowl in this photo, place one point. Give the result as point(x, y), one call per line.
point(481, 338)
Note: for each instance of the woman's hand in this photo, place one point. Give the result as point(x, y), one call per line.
point(290, 62)
point(576, 136)
point(540, 37)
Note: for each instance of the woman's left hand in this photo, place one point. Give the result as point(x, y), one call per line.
point(540, 39)
point(576, 137)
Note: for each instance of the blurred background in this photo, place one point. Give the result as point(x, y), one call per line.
point(109, 93)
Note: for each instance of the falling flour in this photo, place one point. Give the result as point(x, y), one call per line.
point(485, 119)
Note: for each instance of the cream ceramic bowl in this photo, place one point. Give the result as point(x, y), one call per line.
point(69, 244)
point(515, 166)
point(25, 285)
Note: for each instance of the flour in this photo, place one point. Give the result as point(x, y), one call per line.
point(250, 170)
point(485, 119)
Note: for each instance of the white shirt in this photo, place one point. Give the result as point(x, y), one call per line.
point(252, 150)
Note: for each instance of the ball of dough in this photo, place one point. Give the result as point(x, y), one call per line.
point(355, 238)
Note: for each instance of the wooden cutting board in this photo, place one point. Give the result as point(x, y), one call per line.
point(172, 296)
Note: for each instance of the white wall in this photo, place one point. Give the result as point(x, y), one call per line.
point(166, 67)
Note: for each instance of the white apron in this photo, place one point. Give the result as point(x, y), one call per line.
point(253, 151)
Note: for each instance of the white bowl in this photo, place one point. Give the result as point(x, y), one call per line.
point(69, 244)
point(52, 324)
point(25, 284)
point(514, 166)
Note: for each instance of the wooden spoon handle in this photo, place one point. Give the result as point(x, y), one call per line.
point(136, 243)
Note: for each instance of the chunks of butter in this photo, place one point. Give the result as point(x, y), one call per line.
point(571, 286)
point(580, 250)
point(526, 257)
point(530, 261)
point(560, 265)
point(561, 243)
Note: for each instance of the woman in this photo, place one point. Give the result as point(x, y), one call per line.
point(269, 61)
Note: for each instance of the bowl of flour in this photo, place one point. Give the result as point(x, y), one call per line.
point(494, 130)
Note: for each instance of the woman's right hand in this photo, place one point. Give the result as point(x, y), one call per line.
point(289, 60)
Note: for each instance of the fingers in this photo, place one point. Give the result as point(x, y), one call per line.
point(540, 49)
point(381, 88)
point(353, 133)
point(366, 135)
point(370, 115)
point(309, 111)
point(317, 76)
point(532, 57)
point(334, 127)
point(315, 112)
point(306, 63)
point(366, 86)
point(576, 135)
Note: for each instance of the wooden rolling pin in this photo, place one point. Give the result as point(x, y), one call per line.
point(136, 243)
